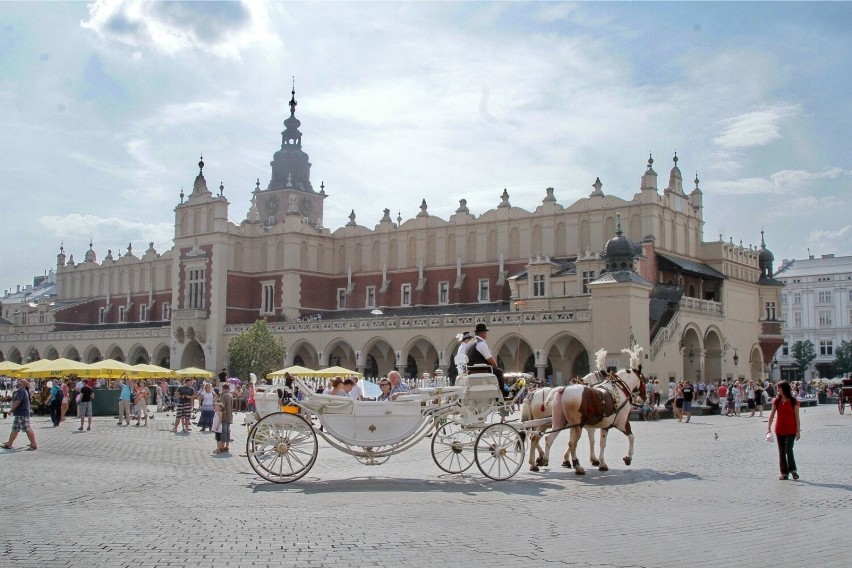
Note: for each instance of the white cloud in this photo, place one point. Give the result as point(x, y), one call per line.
point(783, 182)
point(755, 128)
point(830, 242)
point(222, 29)
point(109, 232)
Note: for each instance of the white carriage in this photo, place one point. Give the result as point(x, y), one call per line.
point(467, 421)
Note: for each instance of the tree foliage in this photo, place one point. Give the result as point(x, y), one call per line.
point(257, 351)
point(803, 352)
point(843, 358)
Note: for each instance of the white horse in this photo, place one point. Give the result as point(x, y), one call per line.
point(540, 405)
point(604, 406)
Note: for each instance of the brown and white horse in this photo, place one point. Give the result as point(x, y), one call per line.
point(540, 405)
point(604, 406)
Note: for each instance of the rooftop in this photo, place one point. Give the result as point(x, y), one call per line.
point(827, 264)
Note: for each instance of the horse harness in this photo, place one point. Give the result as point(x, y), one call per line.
point(599, 403)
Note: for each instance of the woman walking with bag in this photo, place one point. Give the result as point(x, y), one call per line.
point(787, 429)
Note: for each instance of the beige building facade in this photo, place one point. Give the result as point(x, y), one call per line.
point(553, 284)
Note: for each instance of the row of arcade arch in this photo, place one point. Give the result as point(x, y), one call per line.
point(562, 358)
point(160, 355)
point(706, 356)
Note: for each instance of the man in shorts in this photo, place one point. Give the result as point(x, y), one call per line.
point(84, 407)
point(185, 396)
point(688, 397)
point(21, 417)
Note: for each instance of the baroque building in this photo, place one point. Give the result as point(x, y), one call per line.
point(553, 284)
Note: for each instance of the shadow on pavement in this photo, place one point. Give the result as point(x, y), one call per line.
point(463, 484)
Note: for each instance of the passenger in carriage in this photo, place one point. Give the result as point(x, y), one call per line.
point(397, 386)
point(385, 385)
point(479, 354)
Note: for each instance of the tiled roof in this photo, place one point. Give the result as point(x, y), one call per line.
point(816, 267)
point(690, 266)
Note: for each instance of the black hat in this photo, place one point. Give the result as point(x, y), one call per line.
point(480, 327)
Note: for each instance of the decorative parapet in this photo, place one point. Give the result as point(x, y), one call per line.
point(702, 306)
point(424, 322)
point(57, 336)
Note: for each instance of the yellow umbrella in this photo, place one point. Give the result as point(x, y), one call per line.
point(295, 371)
point(194, 372)
point(112, 369)
point(337, 372)
point(154, 371)
point(8, 366)
point(47, 368)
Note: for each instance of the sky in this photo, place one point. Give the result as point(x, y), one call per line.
point(105, 108)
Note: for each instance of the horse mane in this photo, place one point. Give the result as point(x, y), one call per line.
point(635, 356)
point(600, 359)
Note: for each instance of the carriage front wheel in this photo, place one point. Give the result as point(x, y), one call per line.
point(499, 451)
point(452, 447)
point(282, 447)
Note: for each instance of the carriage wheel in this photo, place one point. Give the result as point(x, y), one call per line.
point(499, 451)
point(452, 447)
point(282, 447)
point(841, 404)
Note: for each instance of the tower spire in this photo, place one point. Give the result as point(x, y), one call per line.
point(293, 102)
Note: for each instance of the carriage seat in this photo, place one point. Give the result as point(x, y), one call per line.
point(479, 386)
point(328, 404)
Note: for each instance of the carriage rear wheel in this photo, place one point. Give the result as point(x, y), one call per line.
point(452, 447)
point(499, 451)
point(282, 447)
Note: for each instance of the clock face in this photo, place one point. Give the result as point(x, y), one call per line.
point(272, 205)
point(305, 206)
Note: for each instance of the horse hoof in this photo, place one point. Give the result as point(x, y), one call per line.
point(544, 463)
point(603, 468)
point(539, 461)
point(533, 468)
point(566, 464)
point(627, 461)
point(579, 472)
point(596, 463)
point(576, 463)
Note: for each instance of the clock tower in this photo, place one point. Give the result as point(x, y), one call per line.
point(290, 191)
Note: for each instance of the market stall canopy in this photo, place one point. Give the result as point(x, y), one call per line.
point(154, 371)
point(295, 371)
point(6, 366)
point(194, 372)
point(112, 369)
point(47, 368)
point(336, 372)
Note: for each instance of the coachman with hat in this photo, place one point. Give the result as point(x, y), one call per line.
point(479, 354)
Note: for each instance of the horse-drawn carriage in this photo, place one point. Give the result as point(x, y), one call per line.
point(844, 395)
point(466, 422)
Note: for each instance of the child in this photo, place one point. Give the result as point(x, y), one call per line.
point(217, 427)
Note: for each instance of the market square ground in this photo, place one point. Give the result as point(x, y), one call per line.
point(147, 497)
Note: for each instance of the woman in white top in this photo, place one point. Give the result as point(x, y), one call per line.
point(207, 398)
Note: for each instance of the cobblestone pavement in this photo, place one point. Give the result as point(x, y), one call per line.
point(146, 497)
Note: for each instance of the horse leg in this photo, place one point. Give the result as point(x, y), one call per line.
point(572, 447)
point(602, 466)
point(533, 448)
point(594, 461)
point(542, 460)
point(629, 432)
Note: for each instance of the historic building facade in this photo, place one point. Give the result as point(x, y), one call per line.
point(553, 284)
point(816, 306)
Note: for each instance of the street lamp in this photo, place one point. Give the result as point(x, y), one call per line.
point(691, 354)
point(736, 358)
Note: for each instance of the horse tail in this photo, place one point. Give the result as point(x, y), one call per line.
point(526, 410)
point(557, 412)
